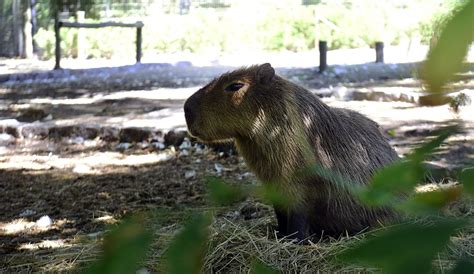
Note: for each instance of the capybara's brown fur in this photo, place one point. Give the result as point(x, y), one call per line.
point(282, 129)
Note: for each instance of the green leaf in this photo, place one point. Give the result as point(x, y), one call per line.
point(431, 201)
point(463, 267)
point(221, 193)
point(400, 177)
point(260, 268)
point(420, 153)
point(124, 247)
point(407, 248)
point(187, 250)
point(467, 179)
point(447, 56)
point(270, 194)
point(389, 182)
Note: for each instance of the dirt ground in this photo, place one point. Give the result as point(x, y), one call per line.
point(68, 167)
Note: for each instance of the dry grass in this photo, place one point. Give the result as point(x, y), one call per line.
point(237, 238)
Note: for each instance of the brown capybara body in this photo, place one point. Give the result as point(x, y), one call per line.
point(281, 130)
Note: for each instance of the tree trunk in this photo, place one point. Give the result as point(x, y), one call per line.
point(16, 23)
point(27, 50)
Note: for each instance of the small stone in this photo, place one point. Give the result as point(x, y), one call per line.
point(184, 152)
point(82, 169)
point(158, 145)
point(90, 143)
point(13, 131)
point(48, 118)
point(34, 131)
point(76, 140)
point(123, 146)
point(6, 139)
point(61, 132)
point(109, 134)
point(186, 144)
point(173, 138)
point(218, 167)
point(87, 132)
point(190, 174)
point(31, 114)
point(134, 135)
point(44, 222)
point(143, 271)
point(27, 212)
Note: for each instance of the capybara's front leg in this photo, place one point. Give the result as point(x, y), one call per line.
point(292, 225)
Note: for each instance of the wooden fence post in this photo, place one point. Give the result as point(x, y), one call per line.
point(139, 41)
point(57, 28)
point(80, 15)
point(379, 52)
point(323, 49)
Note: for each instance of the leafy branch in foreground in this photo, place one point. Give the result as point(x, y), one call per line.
point(124, 247)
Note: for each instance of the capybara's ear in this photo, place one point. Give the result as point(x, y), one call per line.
point(265, 73)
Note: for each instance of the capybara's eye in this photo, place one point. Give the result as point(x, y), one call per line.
point(234, 87)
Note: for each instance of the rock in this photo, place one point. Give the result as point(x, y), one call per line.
point(35, 131)
point(76, 140)
point(27, 212)
point(109, 134)
point(133, 135)
point(158, 145)
point(61, 132)
point(123, 146)
point(190, 174)
point(86, 132)
point(6, 139)
point(173, 138)
point(13, 131)
point(218, 168)
point(44, 222)
point(31, 114)
point(186, 144)
point(143, 271)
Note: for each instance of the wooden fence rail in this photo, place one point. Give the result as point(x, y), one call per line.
point(60, 24)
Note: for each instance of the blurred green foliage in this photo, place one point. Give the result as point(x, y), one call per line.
point(394, 180)
point(124, 247)
point(446, 58)
point(260, 268)
point(186, 252)
point(405, 248)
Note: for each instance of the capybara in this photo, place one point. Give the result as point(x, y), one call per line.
point(281, 129)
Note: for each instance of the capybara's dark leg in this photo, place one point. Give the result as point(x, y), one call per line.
point(292, 224)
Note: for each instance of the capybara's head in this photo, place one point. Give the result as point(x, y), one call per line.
point(228, 106)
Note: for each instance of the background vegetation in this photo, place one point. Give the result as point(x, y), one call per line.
point(245, 25)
